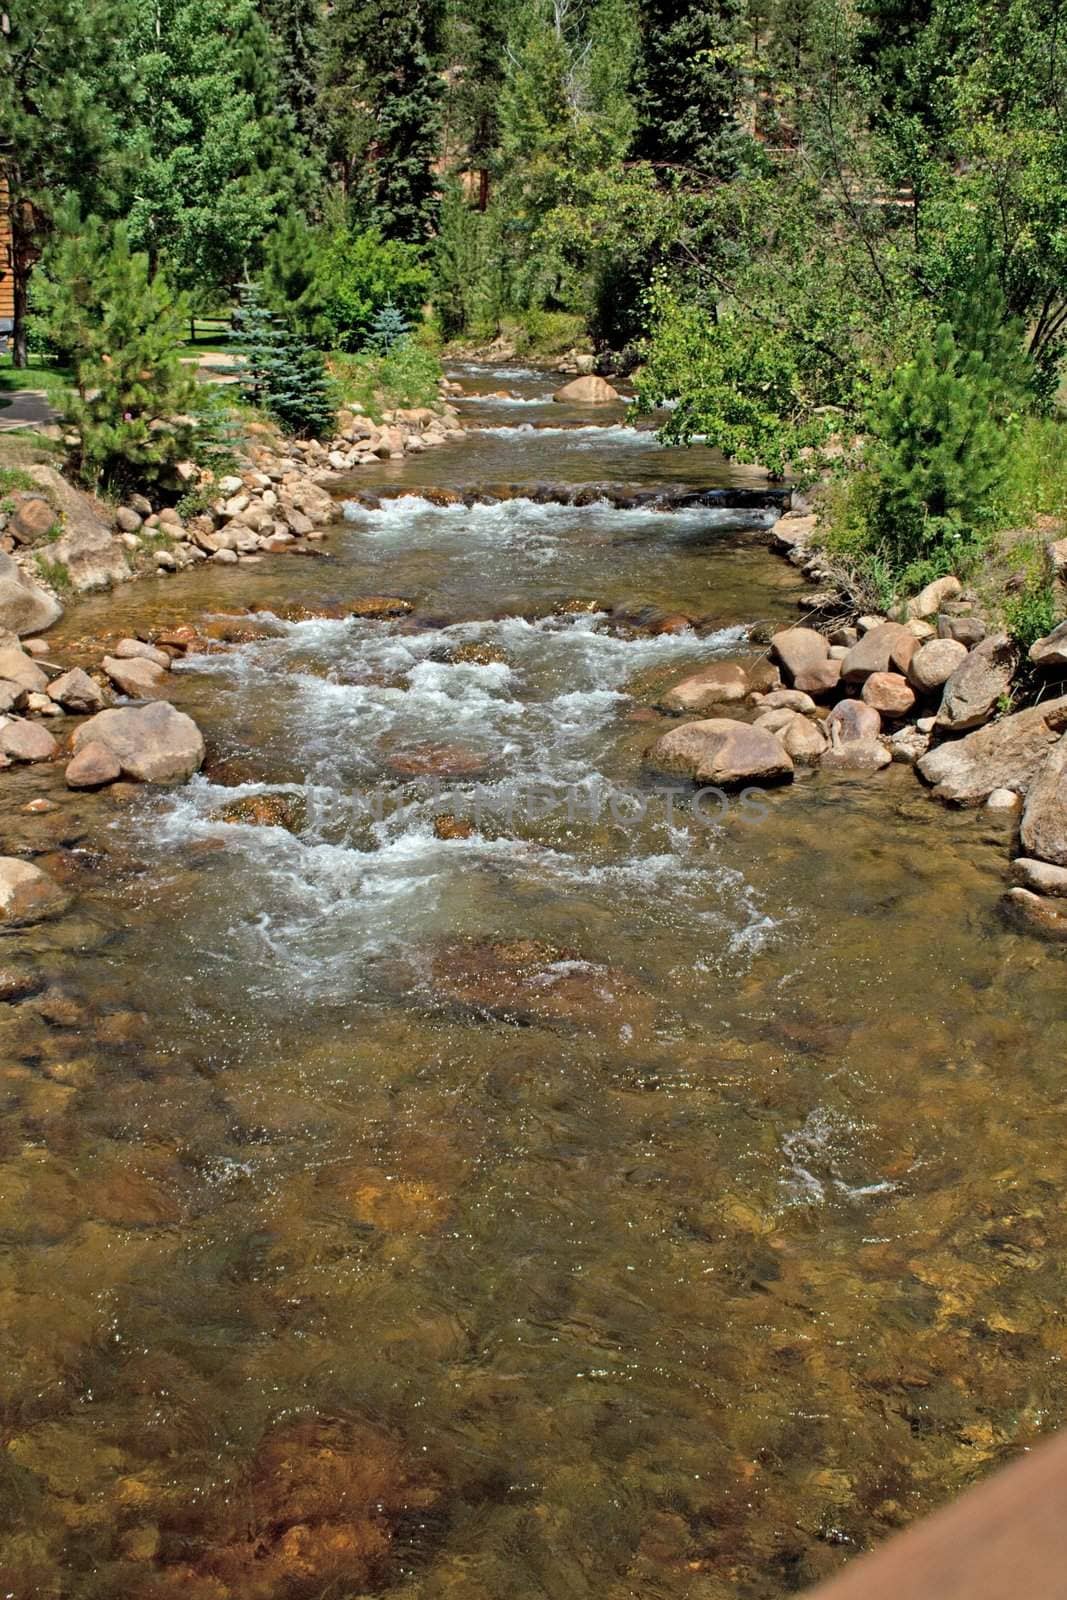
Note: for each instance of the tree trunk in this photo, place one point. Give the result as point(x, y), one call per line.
point(20, 294)
point(483, 189)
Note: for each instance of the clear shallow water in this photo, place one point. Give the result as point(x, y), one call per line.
point(609, 1203)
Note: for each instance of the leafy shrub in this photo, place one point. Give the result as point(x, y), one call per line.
point(405, 377)
point(333, 282)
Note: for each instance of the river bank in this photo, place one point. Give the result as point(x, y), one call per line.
point(640, 1192)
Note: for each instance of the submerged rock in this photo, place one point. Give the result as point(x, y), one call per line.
point(526, 980)
point(1043, 877)
point(437, 761)
point(380, 605)
point(264, 811)
point(26, 893)
point(153, 743)
point(722, 752)
point(1044, 914)
point(721, 683)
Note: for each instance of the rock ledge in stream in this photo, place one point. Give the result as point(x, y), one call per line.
point(527, 981)
point(152, 743)
point(722, 752)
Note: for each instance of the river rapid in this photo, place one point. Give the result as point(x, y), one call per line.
point(611, 1199)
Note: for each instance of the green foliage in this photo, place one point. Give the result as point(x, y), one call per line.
point(13, 479)
point(688, 83)
point(381, 108)
point(1029, 611)
point(283, 376)
point(56, 574)
point(65, 89)
point(406, 376)
point(216, 163)
point(296, 29)
point(334, 283)
point(135, 406)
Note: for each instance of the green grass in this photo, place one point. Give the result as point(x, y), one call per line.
point(56, 574)
point(13, 479)
point(42, 373)
point(405, 378)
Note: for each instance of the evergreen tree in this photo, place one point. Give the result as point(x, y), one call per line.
point(477, 42)
point(388, 328)
point(283, 375)
point(381, 101)
point(216, 165)
point(296, 28)
point(63, 91)
point(136, 403)
point(688, 83)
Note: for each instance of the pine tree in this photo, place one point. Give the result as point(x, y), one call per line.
point(282, 374)
point(136, 403)
point(381, 99)
point(688, 83)
point(389, 326)
point(296, 28)
point(64, 90)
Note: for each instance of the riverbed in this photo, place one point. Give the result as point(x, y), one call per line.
point(609, 1198)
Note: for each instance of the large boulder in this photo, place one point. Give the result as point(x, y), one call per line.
point(973, 692)
point(720, 684)
point(91, 553)
point(587, 391)
point(1051, 651)
point(17, 667)
point(1044, 824)
point(137, 678)
point(857, 755)
point(933, 664)
point(722, 752)
point(888, 647)
point(851, 720)
point(822, 679)
point(799, 650)
point(24, 606)
point(21, 740)
point(153, 743)
point(26, 893)
point(1005, 755)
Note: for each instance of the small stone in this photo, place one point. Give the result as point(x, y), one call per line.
point(967, 630)
point(127, 520)
point(225, 558)
point(33, 520)
point(1040, 876)
point(908, 745)
point(17, 667)
point(94, 765)
point(35, 647)
point(75, 691)
point(1004, 800)
point(137, 649)
point(787, 700)
point(447, 826)
point(852, 720)
point(928, 602)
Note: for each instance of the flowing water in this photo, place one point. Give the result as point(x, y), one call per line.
point(620, 1200)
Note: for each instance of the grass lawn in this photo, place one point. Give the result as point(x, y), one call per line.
point(40, 374)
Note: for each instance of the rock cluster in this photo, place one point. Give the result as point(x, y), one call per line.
point(148, 741)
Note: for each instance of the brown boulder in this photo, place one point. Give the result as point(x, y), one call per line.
point(857, 755)
point(25, 741)
point(587, 391)
point(888, 647)
point(137, 678)
point(75, 691)
point(1005, 755)
point(979, 683)
point(137, 650)
point(933, 664)
point(437, 761)
point(24, 606)
point(33, 520)
point(1040, 876)
point(721, 683)
point(94, 765)
point(821, 679)
point(1044, 824)
point(153, 743)
point(803, 739)
point(799, 650)
point(889, 693)
point(17, 667)
point(1051, 651)
point(722, 752)
point(851, 720)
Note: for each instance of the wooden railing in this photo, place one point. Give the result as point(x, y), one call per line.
point(1004, 1540)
